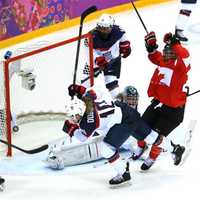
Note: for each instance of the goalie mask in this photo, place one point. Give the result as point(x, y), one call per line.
point(75, 110)
point(130, 96)
point(105, 25)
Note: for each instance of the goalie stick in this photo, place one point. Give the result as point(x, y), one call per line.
point(188, 140)
point(83, 16)
point(32, 151)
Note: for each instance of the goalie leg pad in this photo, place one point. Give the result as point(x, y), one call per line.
point(55, 162)
point(107, 151)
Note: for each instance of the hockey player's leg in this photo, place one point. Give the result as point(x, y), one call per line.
point(112, 85)
point(167, 145)
point(183, 17)
point(175, 149)
point(141, 148)
point(150, 160)
point(121, 167)
point(2, 182)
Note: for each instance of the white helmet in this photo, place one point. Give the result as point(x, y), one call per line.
point(105, 21)
point(75, 110)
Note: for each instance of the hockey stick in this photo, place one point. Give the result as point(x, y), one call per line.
point(83, 16)
point(145, 28)
point(188, 91)
point(98, 71)
point(193, 93)
point(32, 151)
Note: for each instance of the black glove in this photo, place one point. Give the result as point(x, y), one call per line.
point(150, 42)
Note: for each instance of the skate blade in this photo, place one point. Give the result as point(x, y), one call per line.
point(124, 184)
point(185, 157)
point(144, 171)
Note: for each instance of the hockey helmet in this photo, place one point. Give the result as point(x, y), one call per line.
point(168, 53)
point(130, 96)
point(104, 25)
point(75, 110)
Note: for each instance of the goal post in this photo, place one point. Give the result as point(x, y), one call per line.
point(52, 65)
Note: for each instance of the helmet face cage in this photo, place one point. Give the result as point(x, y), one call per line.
point(168, 53)
point(105, 24)
point(131, 96)
point(75, 110)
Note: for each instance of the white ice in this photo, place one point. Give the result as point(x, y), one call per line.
point(28, 178)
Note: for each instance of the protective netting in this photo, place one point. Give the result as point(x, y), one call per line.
point(52, 68)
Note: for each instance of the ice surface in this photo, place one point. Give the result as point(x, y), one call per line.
point(28, 178)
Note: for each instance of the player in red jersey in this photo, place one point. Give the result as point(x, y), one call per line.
point(166, 87)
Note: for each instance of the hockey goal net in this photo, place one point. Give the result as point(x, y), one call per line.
point(53, 68)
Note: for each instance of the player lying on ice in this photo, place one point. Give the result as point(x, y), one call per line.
point(64, 154)
point(116, 121)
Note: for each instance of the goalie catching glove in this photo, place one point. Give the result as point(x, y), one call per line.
point(150, 42)
point(70, 127)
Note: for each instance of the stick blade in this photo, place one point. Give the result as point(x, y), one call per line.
point(88, 11)
point(37, 150)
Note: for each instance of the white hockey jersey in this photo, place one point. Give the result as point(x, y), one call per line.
point(101, 119)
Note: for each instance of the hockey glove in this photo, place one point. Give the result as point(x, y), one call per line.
point(150, 42)
point(69, 128)
point(77, 90)
point(170, 39)
point(124, 49)
point(101, 62)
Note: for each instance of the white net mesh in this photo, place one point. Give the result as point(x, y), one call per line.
point(53, 68)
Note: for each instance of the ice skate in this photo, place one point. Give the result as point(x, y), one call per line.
point(179, 34)
point(178, 153)
point(2, 181)
point(121, 179)
point(138, 152)
point(147, 164)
